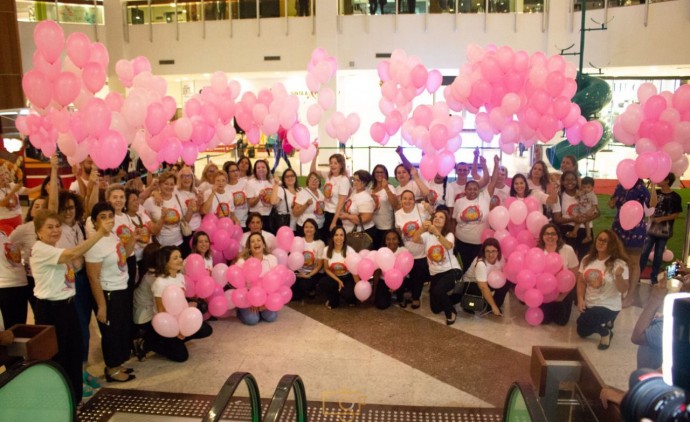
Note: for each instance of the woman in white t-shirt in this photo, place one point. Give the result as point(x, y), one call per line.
point(337, 282)
point(168, 211)
point(538, 176)
point(208, 174)
point(285, 191)
point(501, 190)
point(438, 241)
point(256, 248)
point(14, 288)
point(125, 228)
point(386, 202)
point(201, 244)
point(24, 237)
point(566, 214)
point(169, 273)
point(143, 304)
point(10, 210)
point(259, 190)
point(383, 294)
point(520, 189)
point(313, 255)
point(218, 200)
point(408, 220)
point(106, 266)
point(358, 211)
point(335, 191)
point(477, 274)
point(603, 279)
point(255, 225)
point(471, 217)
point(408, 179)
point(309, 204)
point(144, 228)
point(55, 291)
point(236, 186)
point(191, 198)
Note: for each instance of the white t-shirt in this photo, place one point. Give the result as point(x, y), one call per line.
point(185, 198)
point(454, 192)
point(539, 195)
point(159, 285)
point(10, 211)
point(412, 187)
point(170, 234)
point(267, 263)
point(359, 203)
point(239, 200)
point(12, 272)
point(262, 189)
point(333, 188)
point(204, 186)
point(569, 207)
point(500, 196)
point(313, 252)
point(222, 204)
point(436, 194)
point(472, 217)
point(568, 256)
point(408, 224)
point(314, 210)
point(110, 252)
point(71, 237)
point(268, 238)
point(124, 228)
point(384, 218)
point(54, 281)
point(144, 307)
point(336, 263)
point(74, 187)
point(479, 270)
point(439, 258)
point(284, 208)
point(600, 284)
point(24, 236)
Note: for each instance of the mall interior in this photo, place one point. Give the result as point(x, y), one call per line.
point(361, 363)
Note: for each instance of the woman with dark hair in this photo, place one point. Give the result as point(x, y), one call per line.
point(55, 289)
point(106, 266)
point(438, 241)
point(603, 278)
point(519, 188)
point(169, 273)
point(477, 275)
point(383, 294)
point(566, 216)
point(218, 200)
point(309, 204)
point(144, 228)
point(143, 303)
point(255, 225)
point(538, 176)
point(201, 244)
point(551, 240)
point(168, 212)
point(338, 281)
point(284, 194)
point(313, 256)
point(386, 202)
point(245, 167)
point(237, 188)
point(358, 211)
point(259, 190)
point(24, 237)
point(408, 179)
point(335, 190)
point(255, 247)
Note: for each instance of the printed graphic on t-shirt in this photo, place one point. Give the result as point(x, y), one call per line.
point(171, 216)
point(594, 278)
point(338, 268)
point(69, 276)
point(495, 201)
point(433, 196)
point(319, 208)
point(309, 259)
point(328, 190)
point(458, 196)
point(265, 196)
point(435, 254)
point(573, 209)
point(471, 214)
point(124, 233)
point(347, 206)
point(13, 253)
point(239, 198)
point(121, 256)
point(377, 202)
point(144, 234)
point(409, 229)
point(223, 210)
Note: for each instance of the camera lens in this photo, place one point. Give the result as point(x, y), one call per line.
point(649, 397)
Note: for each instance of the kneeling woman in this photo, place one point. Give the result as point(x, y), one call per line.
point(338, 281)
point(256, 248)
point(307, 276)
point(603, 278)
point(383, 294)
point(438, 243)
point(477, 275)
point(168, 273)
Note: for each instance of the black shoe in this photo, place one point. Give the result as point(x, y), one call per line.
point(452, 320)
point(607, 344)
point(139, 349)
point(109, 377)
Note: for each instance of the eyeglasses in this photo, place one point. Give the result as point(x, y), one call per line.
point(602, 240)
point(186, 176)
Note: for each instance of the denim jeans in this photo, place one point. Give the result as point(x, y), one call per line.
point(658, 244)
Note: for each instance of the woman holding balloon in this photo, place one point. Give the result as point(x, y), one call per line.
point(358, 211)
point(384, 293)
point(313, 256)
point(256, 248)
point(485, 277)
point(519, 189)
point(201, 244)
point(338, 281)
point(335, 190)
point(572, 224)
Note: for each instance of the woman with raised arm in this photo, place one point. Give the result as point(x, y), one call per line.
point(336, 189)
point(386, 203)
point(455, 191)
point(519, 189)
point(408, 179)
point(309, 204)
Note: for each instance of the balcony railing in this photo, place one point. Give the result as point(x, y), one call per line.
point(86, 12)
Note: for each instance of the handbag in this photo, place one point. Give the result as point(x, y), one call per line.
point(359, 240)
point(662, 230)
point(185, 228)
point(279, 220)
point(474, 303)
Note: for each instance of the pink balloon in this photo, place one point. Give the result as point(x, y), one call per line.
point(646, 164)
point(385, 259)
point(547, 283)
point(428, 166)
point(78, 48)
point(667, 256)
point(295, 261)
point(626, 173)
point(252, 269)
point(284, 238)
point(239, 298)
point(67, 88)
point(165, 324)
point(654, 106)
point(112, 148)
point(365, 269)
point(189, 153)
point(404, 262)
point(664, 165)
point(37, 88)
point(218, 306)
point(93, 76)
point(190, 321)
point(566, 280)
point(49, 39)
point(499, 217)
point(535, 260)
point(272, 281)
point(205, 286)
point(534, 316)
point(314, 114)
point(99, 54)
point(496, 279)
point(518, 212)
point(362, 290)
point(393, 278)
point(526, 278)
point(174, 300)
point(218, 274)
point(533, 298)
point(195, 267)
point(274, 302)
point(508, 244)
point(377, 132)
point(630, 215)
point(418, 76)
point(257, 296)
point(434, 81)
point(297, 245)
point(280, 255)
point(97, 118)
point(553, 263)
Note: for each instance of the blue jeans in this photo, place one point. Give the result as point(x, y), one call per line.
point(658, 244)
point(249, 317)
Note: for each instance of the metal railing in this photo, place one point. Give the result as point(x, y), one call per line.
point(280, 398)
point(228, 390)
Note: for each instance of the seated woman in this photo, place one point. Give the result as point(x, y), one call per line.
point(438, 241)
point(338, 281)
point(477, 275)
point(313, 255)
point(256, 248)
point(255, 225)
point(603, 278)
point(201, 244)
point(383, 294)
point(551, 240)
point(169, 273)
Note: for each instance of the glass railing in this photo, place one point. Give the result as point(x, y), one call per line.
point(73, 11)
point(373, 7)
point(600, 4)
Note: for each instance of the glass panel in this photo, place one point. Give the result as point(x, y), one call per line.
point(442, 6)
point(85, 13)
point(271, 8)
point(216, 10)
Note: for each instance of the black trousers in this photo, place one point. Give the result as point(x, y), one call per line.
point(441, 285)
point(32, 298)
point(467, 251)
point(13, 305)
point(330, 289)
point(116, 340)
point(62, 314)
point(383, 297)
point(559, 312)
point(419, 274)
point(580, 248)
point(325, 230)
point(304, 287)
point(185, 247)
point(83, 303)
point(595, 320)
point(132, 273)
point(172, 348)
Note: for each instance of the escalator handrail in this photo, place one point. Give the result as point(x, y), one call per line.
point(280, 396)
point(228, 390)
point(532, 404)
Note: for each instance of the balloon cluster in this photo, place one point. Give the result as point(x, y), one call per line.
point(525, 98)
point(198, 283)
point(290, 249)
point(365, 263)
point(251, 289)
point(179, 317)
point(659, 127)
point(516, 223)
point(225, 237)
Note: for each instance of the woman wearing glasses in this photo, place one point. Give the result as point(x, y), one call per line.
point(477, 274)
point(309, 204)
point(551, 240)
point(359, 208)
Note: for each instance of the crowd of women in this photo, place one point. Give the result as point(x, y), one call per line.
point(112, 250)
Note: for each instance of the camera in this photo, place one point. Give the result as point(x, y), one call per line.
point(665, 397)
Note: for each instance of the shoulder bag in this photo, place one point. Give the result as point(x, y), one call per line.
point(185, 228)
point(359, 240)
point(473, 302)
point(661, 230)
point(279, 220)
